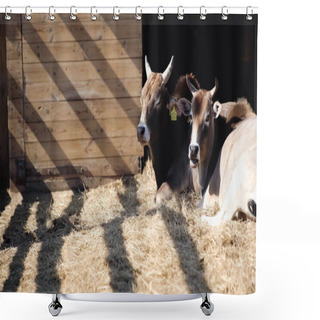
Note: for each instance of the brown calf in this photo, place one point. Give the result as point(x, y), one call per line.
point(203, 117)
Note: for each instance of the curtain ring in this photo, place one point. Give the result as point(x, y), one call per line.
point(93, 16)
point(6, 16)
point(160, 14)
point(249, 15)
point(138, 14)
point(28, 15)
point(180, 13)
point(203, 13)
point(73, 15)
point(51, 15)
point(224, 13)
point(116, 13)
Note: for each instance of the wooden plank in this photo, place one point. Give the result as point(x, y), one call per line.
point(82, 18)
point(15, 108)
point(14, 69)
point(16, 147)
point(14, 50)
point(17, 173)
point(13, 31)
point(100, 167)
point(93, 89)
point(81, 110)
point(82, 50)
point(75, 129)
point(82, 70)
point(4, 138)
point(76, 31)
point(15, 88)
point(80, 149)
point(67, 184)
point(13, 169)
point(15, 126)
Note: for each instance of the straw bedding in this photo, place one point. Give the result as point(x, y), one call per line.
point(116, 239)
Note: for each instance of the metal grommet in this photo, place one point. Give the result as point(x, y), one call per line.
point(249, 14)
point(203, 13)
point(138, 13)
point(28, 14)
point(180, 13)
point(160, 14)
point(116, 13)
point(6, 16)
point(51, 15)
point(73, 14)
point(93, 16)
point(224, 13)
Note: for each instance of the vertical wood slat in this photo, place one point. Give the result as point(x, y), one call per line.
point(4, 138)
point(15, 104)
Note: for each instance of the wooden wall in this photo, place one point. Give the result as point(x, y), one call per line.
point(73, 99)
point(4, 146)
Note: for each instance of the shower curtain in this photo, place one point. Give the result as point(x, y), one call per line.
point(128, 154)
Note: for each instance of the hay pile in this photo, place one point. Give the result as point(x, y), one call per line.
point(116, 239)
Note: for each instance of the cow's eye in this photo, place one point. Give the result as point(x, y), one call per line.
point(207, 118)
point(189, 118)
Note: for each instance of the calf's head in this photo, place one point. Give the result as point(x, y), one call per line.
point(202, 112)
point(154, 98)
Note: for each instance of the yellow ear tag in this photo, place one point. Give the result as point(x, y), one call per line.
point(173, 114)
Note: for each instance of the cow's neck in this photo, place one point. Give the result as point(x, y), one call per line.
point(159, 161)
point(161, 144)
point(205, 166)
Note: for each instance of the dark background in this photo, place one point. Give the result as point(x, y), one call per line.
point(211, 48)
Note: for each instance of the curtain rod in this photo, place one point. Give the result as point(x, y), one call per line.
point(130, 10)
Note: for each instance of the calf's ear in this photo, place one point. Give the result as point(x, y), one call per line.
point(173, 103)
point(185, 106)
point(217, 106)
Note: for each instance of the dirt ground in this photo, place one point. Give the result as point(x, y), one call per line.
point(116, 239)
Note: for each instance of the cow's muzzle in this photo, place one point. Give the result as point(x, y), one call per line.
point(141, 134)
point(194, 155)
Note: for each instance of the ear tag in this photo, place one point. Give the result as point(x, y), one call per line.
point(173, 114)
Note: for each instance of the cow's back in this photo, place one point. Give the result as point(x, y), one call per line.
point(238, 164)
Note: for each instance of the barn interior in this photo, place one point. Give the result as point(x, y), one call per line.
point(76, 213)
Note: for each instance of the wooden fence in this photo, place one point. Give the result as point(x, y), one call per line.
point(73, 99)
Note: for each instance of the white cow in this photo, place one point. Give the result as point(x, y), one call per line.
point(232, 188)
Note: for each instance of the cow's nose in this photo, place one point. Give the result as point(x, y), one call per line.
point(140, 131)
point(194, 151)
